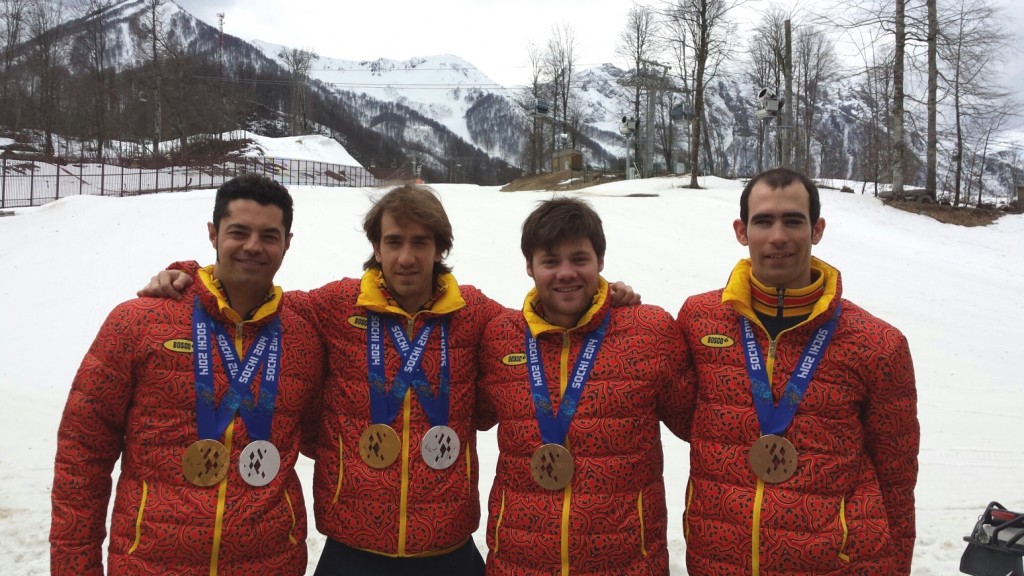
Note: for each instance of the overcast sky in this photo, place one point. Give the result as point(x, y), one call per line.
point(493, 35)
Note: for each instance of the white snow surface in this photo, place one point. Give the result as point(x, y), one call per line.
point(955, 292)
point(312, 147)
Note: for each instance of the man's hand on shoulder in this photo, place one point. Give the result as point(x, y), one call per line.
point(622, 294)
point(167, 284)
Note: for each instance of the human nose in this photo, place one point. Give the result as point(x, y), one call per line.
point(405, 255)
point(252, 243)
point(565, 271)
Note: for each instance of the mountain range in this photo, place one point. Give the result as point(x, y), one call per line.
point(446, 120)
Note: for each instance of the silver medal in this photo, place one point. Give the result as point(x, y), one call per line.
point(440, 447)
point(259, 463)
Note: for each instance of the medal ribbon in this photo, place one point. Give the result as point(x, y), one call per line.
point(554, 428)
point(265, 354)
point(775, 419)
point(385, 403)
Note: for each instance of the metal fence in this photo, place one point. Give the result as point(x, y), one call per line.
point(33, 183)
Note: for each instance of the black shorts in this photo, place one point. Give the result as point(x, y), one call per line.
point(338, 559)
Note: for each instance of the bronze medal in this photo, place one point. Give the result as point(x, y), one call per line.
point(440, 447)
point(773, 458)
point(205, 462)
point(379, 446)
point(552, 466)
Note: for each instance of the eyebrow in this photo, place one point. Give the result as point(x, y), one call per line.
point(240, 226)
point(397, 236)
point(783, 215)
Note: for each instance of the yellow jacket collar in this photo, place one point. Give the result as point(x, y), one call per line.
point(268, 308)
point(537, 323)
point(446, 299)
point(738, 295)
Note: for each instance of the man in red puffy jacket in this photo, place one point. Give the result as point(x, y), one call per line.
point(803, 455)
point(205, 400)
point(578, 390)
point(395, 483)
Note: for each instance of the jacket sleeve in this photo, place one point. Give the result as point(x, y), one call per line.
point(893, 437)
point(486, 313)
point(89, 441)
point(678, 395)
point(312, 422)
point(485, 414)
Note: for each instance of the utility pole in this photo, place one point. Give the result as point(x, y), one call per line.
point(785, 117)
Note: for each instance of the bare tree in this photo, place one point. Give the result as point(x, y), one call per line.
point(767, 65)
point(560, 62)
point(816, 66)
point(47, 59)
point(638, 44)
point(13, 16)
point(899, 146)
point(149, 32)
point(533, 97)
point(299, 63)
point(875, 90)
point(704, 27)
point(92, 54)
point(932, 137)
point(969, 45)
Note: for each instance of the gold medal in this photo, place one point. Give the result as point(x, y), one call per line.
point(552, 466)
point(205, 462)
point(379, 446)
point(773, 459)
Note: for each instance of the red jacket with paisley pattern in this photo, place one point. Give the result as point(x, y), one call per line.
point(611, 518)
point(849, 507)
point(134, 397)
point(408, 508)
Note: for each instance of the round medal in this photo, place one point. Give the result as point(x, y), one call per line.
point(205, 462)
point(440, 447)
point(773, 458)
point(552, 466)
point(379, 446)
point(259, 463)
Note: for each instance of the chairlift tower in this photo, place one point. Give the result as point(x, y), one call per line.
point(628, 130)
point(539, 113)
point(771, 106)
point(651, 77)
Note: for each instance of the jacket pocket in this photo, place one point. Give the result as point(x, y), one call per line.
point(845, 532)
point(686, 511)
point(640, 517)
point(341, 471)
point(497, 524)
point(294, 519)
point(138, 518)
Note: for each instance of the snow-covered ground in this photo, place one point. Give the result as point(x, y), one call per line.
point(956, 292)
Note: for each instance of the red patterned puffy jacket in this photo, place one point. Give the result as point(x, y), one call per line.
point(134, 398)
point(408, 508)
point(612, 518)
point(849, 508)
